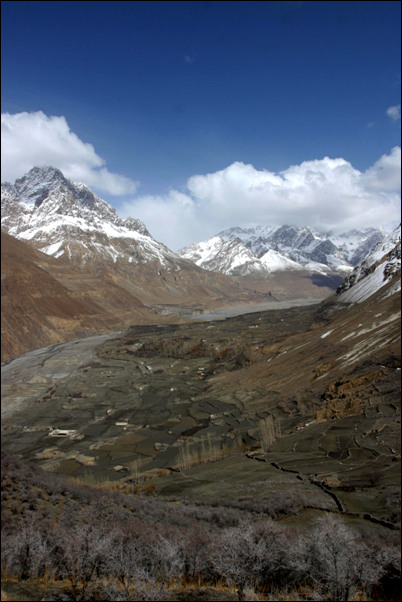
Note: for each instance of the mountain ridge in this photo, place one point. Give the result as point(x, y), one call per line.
point(112, 269)
point(381, 266)
point(267, 249)
point(66, 219)
point(46, 208)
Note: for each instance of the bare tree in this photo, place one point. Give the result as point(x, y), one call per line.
point(166, 559)
point(127, 561)
point(194, 551)
point(275, 542)
point(82, 553)
point(141, 562)
point(240, 557)
point(123, 564)
point(340, 561)
point(25, 553)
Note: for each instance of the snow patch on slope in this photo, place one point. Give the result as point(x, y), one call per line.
point(380, 267)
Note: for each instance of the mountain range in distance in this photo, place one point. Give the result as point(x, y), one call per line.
point(47, 209)
point(268, 249)
point(110, 272)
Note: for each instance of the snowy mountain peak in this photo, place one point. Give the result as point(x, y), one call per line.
point(46, 191)
point(39, 183)
point(286, 247)
point(62, 217)
point(226, 256)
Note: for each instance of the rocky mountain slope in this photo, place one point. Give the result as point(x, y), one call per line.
point(268, 249)
point(90, 271)
point(45, 300)
point(65, 218)
point(117, 270)
point(381, 266)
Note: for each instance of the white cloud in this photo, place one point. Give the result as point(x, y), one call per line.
point(34, 139)
point(326, 193)
point(394, 112)
point(385, 174)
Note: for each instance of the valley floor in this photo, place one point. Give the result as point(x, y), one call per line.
point(282, 420)
point(238, 310)
point(246, 406)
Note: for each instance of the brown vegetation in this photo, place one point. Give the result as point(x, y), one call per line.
point(69, 539)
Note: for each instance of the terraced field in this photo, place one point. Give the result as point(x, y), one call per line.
point(253, 407)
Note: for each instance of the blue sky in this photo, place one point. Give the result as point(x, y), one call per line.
point(196, 116)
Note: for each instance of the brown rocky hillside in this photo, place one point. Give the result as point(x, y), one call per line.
point(47, 300)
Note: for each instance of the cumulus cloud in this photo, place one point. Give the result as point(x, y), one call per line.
point(329, 194)
point(35, 139)
point(394, 112)
point(385, 174)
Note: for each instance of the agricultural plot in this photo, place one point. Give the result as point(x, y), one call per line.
point(178, 406)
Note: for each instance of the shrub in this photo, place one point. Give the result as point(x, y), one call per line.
point(340, 562)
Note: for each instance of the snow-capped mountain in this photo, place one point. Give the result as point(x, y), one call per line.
point(64, 218)
point(68, 222)
point(220, 255)
point(380, 267)
point(277, 248)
